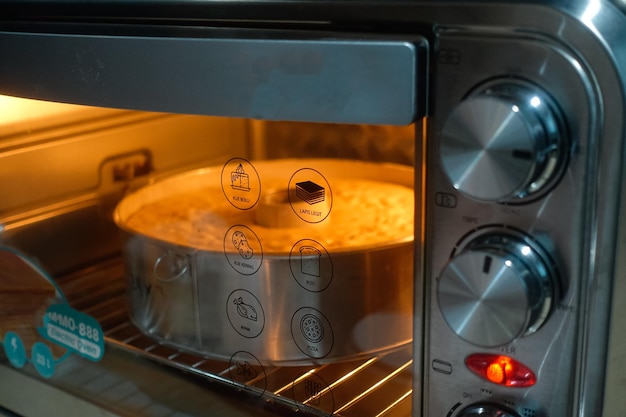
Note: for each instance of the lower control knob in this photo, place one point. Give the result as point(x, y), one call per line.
point(499, 288)
point(486, 410)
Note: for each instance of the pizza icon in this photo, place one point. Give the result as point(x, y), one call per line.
point(312, 328)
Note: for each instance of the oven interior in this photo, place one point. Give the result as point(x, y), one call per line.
point(63, 169)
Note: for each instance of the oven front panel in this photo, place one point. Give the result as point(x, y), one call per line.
point(514, 116)
point(470, 257)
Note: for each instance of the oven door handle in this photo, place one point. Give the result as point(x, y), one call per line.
point(257, 74)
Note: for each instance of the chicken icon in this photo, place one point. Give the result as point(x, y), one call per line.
point(245, 310)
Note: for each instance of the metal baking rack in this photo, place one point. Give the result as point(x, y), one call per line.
point(378, 387)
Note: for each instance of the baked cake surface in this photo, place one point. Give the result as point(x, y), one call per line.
point(364, 214)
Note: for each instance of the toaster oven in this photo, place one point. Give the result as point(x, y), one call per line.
point(349, 208)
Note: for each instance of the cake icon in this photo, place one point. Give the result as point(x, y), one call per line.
point(310, 192)
point(239, 180)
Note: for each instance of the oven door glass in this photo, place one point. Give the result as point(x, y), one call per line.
point(237, 205)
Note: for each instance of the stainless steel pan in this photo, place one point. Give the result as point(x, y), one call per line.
point(291, 261)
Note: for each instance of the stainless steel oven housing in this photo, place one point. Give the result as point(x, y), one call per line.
point(438, 55)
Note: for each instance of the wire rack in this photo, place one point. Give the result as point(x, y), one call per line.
point(375, 387)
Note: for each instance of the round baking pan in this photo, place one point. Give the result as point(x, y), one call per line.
point(286, 262)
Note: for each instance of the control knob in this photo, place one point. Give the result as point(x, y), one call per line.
point(498, 288)
point(486, 410)
point(503, 143)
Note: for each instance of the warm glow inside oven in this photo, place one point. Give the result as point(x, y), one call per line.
point(63, 169)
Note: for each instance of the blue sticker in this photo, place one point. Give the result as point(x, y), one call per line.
point(42, 359)
point(73, 330)
point(14, 349)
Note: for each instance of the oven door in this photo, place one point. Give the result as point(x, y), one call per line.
point(241, 75)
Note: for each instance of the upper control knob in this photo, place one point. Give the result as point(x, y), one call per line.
point(486, 410)
point(499, 288)
point(503, 143)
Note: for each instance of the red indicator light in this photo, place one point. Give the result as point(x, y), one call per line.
point(501, 370)
point(496, 373)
